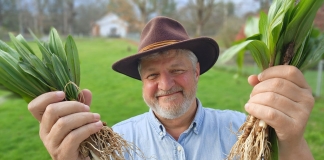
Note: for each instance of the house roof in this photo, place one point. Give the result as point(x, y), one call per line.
point(111, 18)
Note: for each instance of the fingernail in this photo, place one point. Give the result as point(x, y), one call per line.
point(60, 94)
point(96, 116)
point(246, 106)
point(259, 76)
point(87, 108)
point(99, 124)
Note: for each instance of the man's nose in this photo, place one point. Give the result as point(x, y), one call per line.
point(166, 81)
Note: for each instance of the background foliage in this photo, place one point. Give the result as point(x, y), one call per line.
point(200, 17)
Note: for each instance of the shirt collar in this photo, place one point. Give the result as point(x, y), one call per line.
point(156, 124)
point(199, 118)
point(195, 125)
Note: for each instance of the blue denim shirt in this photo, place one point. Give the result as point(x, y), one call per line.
point(211, 135)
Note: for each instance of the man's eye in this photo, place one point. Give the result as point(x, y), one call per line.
point(152, 76)
point(177, 71)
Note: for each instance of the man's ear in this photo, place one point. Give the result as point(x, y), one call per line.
point(197, 71)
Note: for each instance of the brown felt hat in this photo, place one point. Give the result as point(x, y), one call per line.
point(161, 34)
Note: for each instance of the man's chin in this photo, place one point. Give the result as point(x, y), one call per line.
point(168, 115)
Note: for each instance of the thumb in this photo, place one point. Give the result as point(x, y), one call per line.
point(253, 80)
point(85, 97)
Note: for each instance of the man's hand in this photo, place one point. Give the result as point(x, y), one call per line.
point(282, 98)
point(64, 124)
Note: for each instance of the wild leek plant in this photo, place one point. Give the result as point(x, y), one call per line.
point(286, 37)
point(25, 74)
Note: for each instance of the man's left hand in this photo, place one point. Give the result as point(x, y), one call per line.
point(282, 98)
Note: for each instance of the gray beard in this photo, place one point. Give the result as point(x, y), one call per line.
point(174, 110)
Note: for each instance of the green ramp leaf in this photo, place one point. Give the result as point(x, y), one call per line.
point(258, 50)
point(73, 60)
point(63, 78)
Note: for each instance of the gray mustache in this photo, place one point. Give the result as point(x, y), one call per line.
point(171, 91)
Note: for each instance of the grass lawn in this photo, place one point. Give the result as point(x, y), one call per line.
point(117, 97)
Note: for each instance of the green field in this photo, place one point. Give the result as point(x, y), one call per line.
point(117, 97)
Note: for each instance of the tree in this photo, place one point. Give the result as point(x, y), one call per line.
point(126, 11)
point(146, 8)
point(130, 10)
point(55, 15)
point(196, 15)
point(87, 13)
point(1, 11)
point(203, 9)
point(69, 15)
point(209, 26)
point(264, 5)
point(166, 8)
point(25, 17)
point(41, 6)
point(9, 14)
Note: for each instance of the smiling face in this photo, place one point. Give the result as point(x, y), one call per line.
point(169, 83)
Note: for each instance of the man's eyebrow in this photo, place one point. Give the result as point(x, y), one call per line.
point(177, 64)
point(153, 68)
point(149, 69)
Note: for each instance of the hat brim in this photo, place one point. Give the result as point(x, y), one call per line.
point(206, 50)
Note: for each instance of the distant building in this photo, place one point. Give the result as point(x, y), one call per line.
point(319, 21)
point(110, 26)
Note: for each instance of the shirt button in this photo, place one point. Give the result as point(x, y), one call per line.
point(161, 133)
point(179, 148)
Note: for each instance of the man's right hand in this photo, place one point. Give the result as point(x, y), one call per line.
point(64, 124)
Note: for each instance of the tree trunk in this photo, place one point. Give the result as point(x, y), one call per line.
point(69, 16)
point(1, 10)
point(204, 9)
point(198, 30)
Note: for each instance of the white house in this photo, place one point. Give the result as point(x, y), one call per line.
point(110, 26)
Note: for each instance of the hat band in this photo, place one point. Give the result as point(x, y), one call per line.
point(158, 44)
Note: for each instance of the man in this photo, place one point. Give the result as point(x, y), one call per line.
point(177, 126)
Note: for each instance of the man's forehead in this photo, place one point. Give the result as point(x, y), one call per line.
point(170, 64)
point(171, 61)
point(168, 53)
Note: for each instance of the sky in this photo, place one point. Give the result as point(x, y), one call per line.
point(242, 6)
